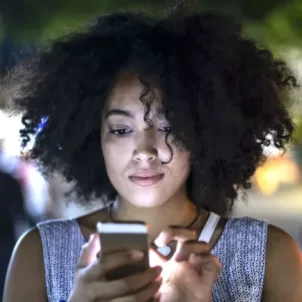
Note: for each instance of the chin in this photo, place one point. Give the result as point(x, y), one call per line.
point(147, 201)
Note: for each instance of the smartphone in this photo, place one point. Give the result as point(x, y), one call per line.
point(120, 236)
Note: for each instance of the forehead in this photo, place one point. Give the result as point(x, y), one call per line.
point(127, 95)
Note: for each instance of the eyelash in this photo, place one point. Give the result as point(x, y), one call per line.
point(166, 129)
point(120, 132)
point(124, 132)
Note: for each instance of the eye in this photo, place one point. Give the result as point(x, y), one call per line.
point(165, 129)
point(120, 132)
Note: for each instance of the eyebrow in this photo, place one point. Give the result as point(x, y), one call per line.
point(127, 113)
point(119, 112)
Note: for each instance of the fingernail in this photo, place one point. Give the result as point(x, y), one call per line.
point(137, 255)
point(91, 238)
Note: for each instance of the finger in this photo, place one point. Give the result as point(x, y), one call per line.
point(145, 294)
point(157, 297)
point(191, 247)
point(175, 233)
point(110, 262)
point(155, 258)
point(89, 252)
point(90, 273)
point(118, 259)
point(208, 266)
point(125, 286)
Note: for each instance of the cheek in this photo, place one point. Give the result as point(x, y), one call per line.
point(116, 153)
point(181, 163)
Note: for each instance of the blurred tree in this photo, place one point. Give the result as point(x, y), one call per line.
point(285, 24)
point(297, 145)
point(298, 131)
point(36, 18)
point(43, 19)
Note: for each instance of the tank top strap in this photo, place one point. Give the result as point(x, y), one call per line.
point(209, 228)
point(242, 251)
point(62, 242)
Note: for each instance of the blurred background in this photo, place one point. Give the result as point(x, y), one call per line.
point(26, 197)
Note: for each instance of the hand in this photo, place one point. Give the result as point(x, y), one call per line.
point(90, 277)
point(191, 273)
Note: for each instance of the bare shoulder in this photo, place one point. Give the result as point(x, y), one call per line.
point(283, 271)
point(25, 279)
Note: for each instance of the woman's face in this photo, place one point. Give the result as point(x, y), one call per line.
point(135, 154)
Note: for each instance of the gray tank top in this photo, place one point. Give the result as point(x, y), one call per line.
point(241, 250)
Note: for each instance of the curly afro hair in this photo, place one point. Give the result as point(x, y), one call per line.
point(222, 95)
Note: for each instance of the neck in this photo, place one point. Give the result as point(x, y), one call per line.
point(177, 212)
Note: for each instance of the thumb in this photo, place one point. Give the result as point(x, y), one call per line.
point(89, 251)
point(155, 258)
point(206, 265)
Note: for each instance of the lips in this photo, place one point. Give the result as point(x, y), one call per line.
point(146, 178)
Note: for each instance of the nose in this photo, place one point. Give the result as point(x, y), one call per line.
point(146, 154)
point(145, 150)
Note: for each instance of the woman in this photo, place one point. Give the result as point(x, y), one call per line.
point(167, 119)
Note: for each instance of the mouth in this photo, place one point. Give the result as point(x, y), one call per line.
point(145, 181)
